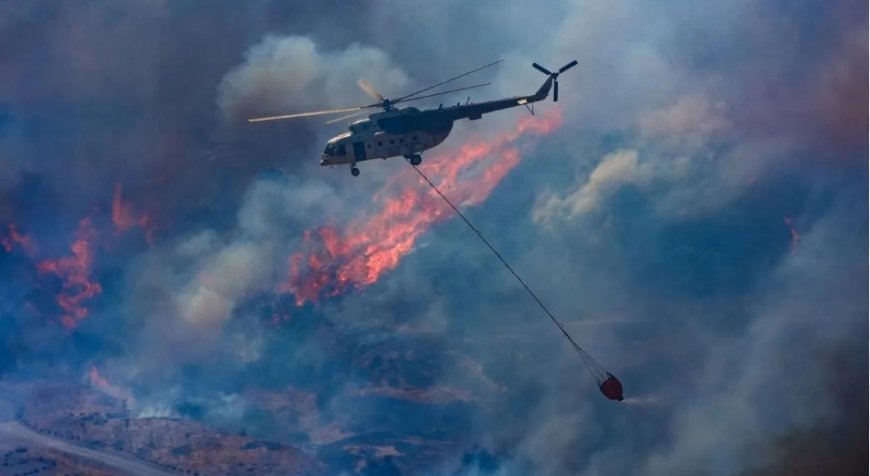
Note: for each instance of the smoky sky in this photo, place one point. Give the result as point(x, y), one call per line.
point(697, 220)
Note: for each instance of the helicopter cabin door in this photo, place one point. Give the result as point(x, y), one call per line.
point(359, 151)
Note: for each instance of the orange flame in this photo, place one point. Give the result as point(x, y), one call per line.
point(16, 238)
point(98, 381)
point(124, 219)
point(795, 237)
point(75, 272)
point(371, 246)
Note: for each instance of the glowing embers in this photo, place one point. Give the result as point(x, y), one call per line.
point(75, 273)
point(333, 260)
point(13, 238)
point(124, 218)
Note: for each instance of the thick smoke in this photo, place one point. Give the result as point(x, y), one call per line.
point(614, 171)
point(290, 74)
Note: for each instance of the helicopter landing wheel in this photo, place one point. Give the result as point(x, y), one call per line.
point(354, 171)
point(415, 159)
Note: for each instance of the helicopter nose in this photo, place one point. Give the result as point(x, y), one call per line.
point(324, 160)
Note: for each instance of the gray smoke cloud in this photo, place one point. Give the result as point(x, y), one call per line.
point(290, 74)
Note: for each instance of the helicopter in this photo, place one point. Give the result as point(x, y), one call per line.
point(408, 131)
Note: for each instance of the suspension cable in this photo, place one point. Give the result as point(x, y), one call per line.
point(596, 369)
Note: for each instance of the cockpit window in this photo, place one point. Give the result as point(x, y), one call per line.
point(335, 149)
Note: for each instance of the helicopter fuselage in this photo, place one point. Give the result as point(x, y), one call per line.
point(395, 133)
point(406, 132)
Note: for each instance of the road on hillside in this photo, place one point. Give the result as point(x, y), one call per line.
point(11, 430)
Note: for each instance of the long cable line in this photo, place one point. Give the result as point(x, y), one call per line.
point(596, 369)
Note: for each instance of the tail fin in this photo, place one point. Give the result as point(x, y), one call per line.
point(543, 91)
point(552, 79)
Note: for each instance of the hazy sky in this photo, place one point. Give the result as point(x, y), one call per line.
point(694, 209)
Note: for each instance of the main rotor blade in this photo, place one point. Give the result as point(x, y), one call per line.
point(306, 114)
point(541, 69)
point(447, 81)
point(369, 90)
point(567, 66)
point(442, 92)
point(353, 114)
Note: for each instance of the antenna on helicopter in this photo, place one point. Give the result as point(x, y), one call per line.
point(555, 76)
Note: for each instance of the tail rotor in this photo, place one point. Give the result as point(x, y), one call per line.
point(555, 76)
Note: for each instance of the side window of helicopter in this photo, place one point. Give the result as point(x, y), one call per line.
point(380, 143)
point(368, 145)
point(413, 138)
point(392, 141)
point(341, 150)
point(401, 140)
